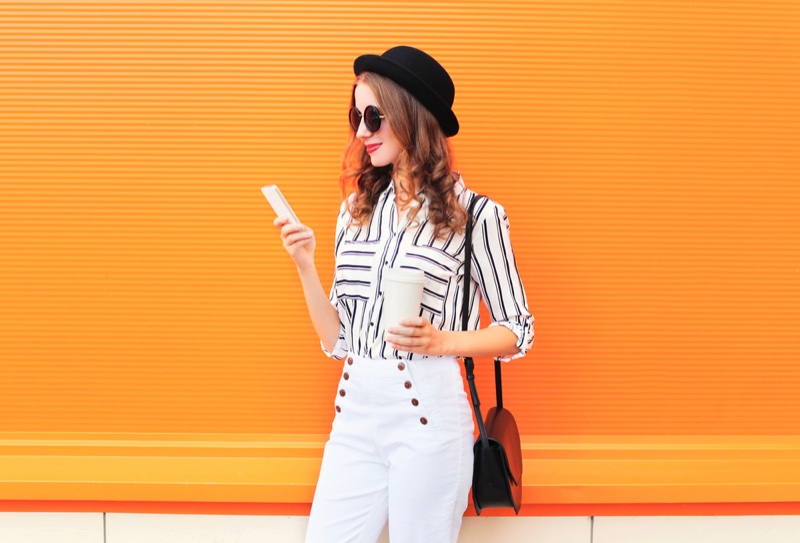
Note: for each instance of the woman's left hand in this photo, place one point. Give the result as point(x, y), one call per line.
point(417, 335)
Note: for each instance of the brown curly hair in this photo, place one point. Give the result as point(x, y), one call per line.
point(424, 168)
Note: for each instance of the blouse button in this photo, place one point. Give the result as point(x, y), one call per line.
point(342, 392)
point(338, 409)
point(401, 366)
point(346, 376)
point(423, 420)
point(414, 402)
point(408, 384)
point(350, 360)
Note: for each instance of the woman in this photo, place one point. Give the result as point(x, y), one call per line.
point(401, 441)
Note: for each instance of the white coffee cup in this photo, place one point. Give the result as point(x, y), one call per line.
point(402, 293)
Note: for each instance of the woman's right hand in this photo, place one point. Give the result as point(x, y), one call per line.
point(299, 242)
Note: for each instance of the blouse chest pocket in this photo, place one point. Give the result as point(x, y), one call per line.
point(354, 269)
point(439, 268)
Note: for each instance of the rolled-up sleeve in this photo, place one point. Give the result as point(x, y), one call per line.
point(340, 348)
point(498, 276)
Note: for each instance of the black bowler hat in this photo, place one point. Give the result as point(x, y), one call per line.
point(420, 74)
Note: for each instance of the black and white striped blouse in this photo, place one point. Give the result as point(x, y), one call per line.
point(363, 252)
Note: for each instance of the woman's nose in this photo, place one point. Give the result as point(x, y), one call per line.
point(362, 131)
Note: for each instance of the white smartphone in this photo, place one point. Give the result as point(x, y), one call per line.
point(279, 203)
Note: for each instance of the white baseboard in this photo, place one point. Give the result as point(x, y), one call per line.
point(155, 528)
point(141, 528)
point(136, 528)
point(51, 528)
point(754, 529)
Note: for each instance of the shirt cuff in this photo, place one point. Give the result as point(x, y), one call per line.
point(524, 333)
point(339, 350)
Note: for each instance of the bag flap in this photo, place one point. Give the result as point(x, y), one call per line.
point(501, 426)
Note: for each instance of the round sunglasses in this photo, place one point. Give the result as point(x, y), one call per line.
point(372, 118)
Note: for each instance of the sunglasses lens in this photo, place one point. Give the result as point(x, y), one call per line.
point(355, 119)
point(372, 118)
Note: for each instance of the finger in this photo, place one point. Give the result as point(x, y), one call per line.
point(299, 237)
point(407, 341)
point(291, 247)
point(284, 221)
point(290, 229)
point(414, 322)
point(403, 331)
point(392, 339)
point(403, 344)
point(293, 227)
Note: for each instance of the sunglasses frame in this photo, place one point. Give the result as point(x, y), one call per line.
point(366, 116)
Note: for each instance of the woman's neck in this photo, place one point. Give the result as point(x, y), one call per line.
point(403, 196)
point(403, 200)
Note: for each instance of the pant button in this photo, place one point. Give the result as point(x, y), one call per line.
point(408, 384)
point(342, 392)
point(423, 420)
point(414, 402)
point(346, 376)
point(350, 360)
point(338, 409)
point(401, 366)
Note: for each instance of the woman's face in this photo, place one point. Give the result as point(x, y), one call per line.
point(382, 147)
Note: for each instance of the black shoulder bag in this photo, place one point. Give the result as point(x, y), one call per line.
point(497, 470)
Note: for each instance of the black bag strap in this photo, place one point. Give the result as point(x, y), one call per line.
point(469, 364)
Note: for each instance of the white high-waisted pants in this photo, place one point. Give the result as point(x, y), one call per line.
point(400, 448)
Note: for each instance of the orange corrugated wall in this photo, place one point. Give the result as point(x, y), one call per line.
point(646, 153)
